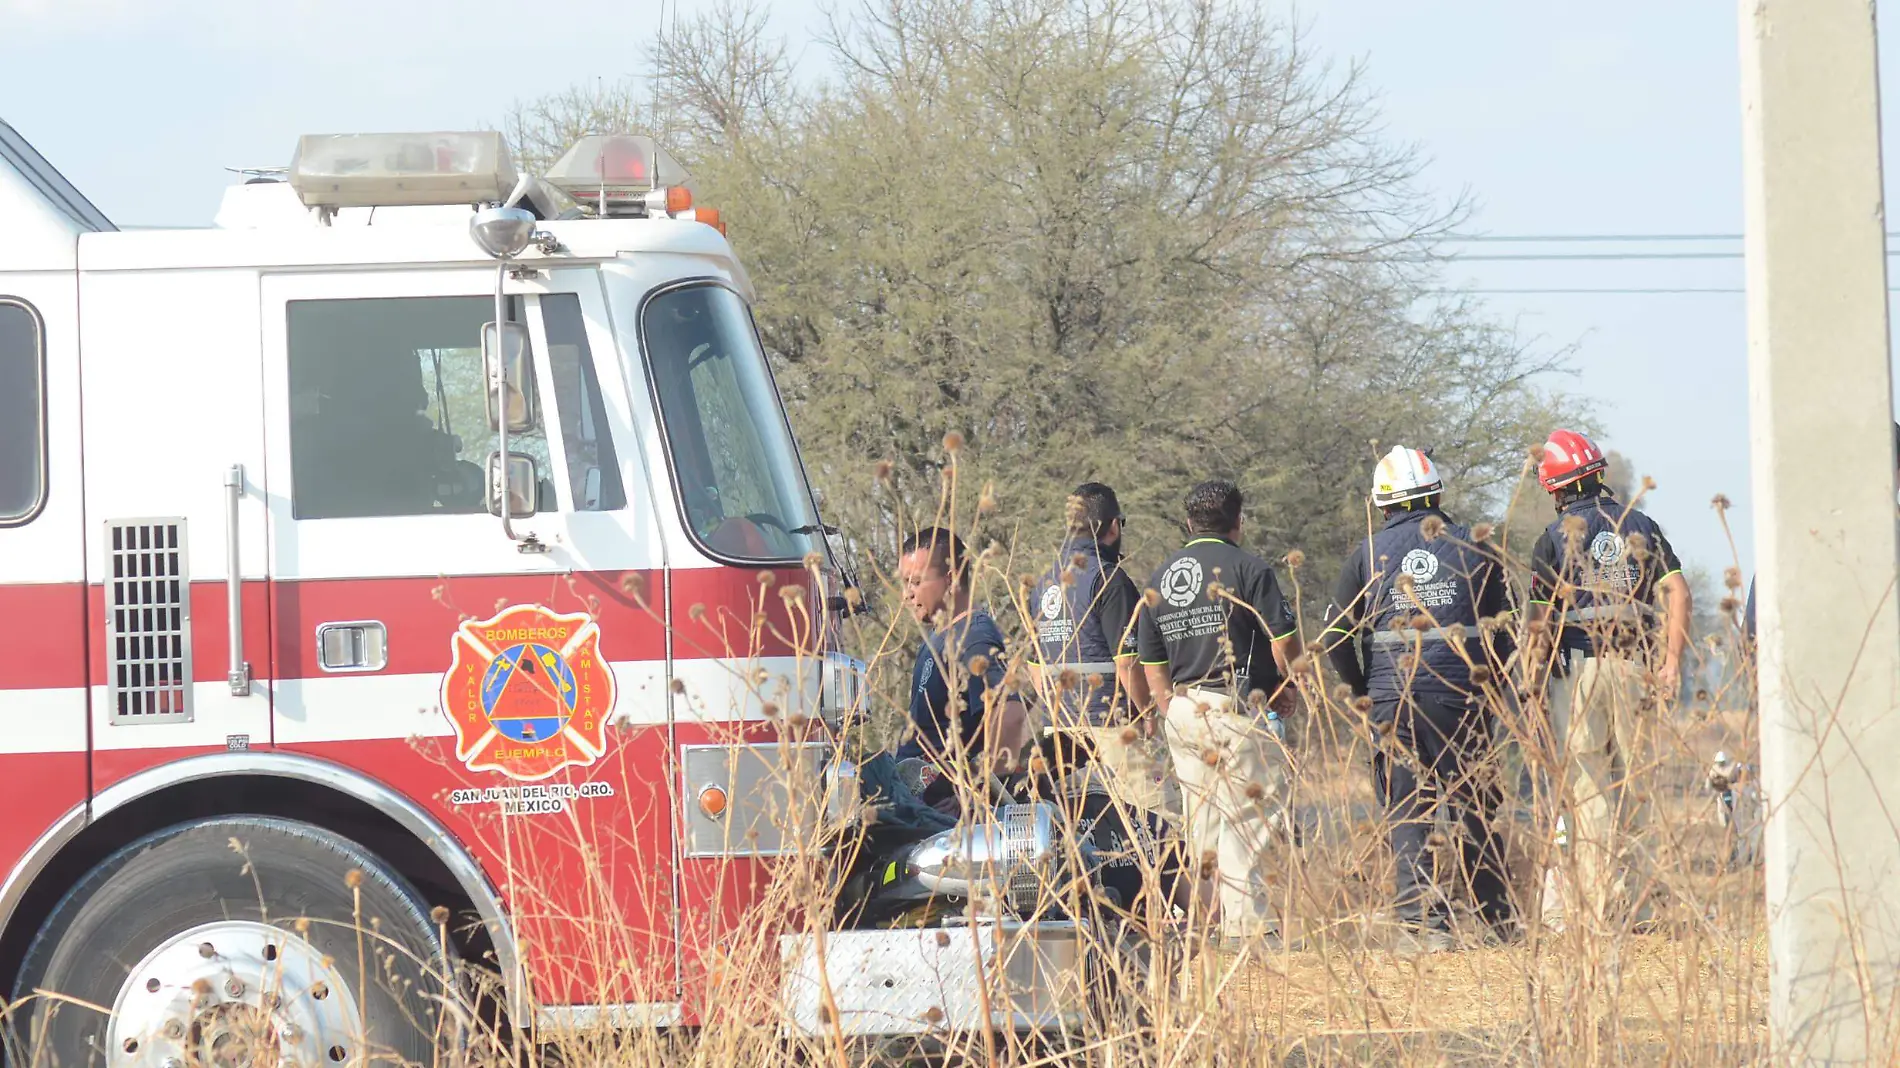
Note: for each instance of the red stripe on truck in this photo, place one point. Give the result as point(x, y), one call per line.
point(718, 612)
point(42, 636)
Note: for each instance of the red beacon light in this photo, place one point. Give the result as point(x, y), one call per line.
point(622, 175)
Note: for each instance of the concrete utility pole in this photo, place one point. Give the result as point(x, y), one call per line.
point(1820, 405)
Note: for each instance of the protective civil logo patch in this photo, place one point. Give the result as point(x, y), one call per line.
point(1606, 548)
point(528, 692)
point(1421, 564)
point(1052, 602)
point(1181, 582)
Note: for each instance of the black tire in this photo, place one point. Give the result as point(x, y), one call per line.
point(182, 877)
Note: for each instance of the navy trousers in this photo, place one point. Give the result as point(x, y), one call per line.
point(1437, 755)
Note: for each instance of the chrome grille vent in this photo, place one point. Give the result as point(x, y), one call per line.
point(148, 621)
point(1028, 832)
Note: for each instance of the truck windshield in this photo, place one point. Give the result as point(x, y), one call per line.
point(733, 459)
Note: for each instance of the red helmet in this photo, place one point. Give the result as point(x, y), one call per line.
point(1568, 456)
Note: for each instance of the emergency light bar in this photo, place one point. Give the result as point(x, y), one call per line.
point(387, 170)
point(622, 174)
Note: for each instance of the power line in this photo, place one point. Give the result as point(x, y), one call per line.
point(1523, 257)
point(1557, 239)
point(1611, 292)
point(1601, 257)
point(1656, 291)
point(1544, 257)
point(1540, 257)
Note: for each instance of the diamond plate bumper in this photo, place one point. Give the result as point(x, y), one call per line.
point(916, 982)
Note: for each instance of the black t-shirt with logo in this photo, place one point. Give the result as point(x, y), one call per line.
point(1191, 631)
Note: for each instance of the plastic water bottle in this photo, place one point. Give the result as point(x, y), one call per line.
point(1276, 725)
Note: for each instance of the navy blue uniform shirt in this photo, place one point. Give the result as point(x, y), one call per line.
point(1595, 574)
point(1452, 583)
point(931, 707)
point(1087, 621)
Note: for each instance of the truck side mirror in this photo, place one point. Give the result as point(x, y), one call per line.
point(523, 485)
point(514, 359)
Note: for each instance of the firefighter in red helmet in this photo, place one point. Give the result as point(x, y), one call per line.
point(1608, 604)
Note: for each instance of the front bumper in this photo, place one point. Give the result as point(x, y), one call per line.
point(936, 980)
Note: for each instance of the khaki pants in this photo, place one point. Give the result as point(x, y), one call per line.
point(1136, 773)
point(1600, 715)
point(1233, 781)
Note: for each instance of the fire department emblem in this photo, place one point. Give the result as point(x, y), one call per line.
point(528, 692)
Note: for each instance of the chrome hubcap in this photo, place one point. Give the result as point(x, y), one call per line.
point(234, 994)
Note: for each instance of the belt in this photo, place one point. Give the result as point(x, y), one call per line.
point(1232, 688)
point(1608, 628)
point(1211, 695)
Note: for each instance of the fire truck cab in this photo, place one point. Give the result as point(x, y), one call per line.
point(419, 522)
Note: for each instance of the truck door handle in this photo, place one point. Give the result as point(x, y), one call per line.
point(240, 674)
point(357, 645)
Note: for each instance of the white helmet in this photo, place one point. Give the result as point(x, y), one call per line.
point(1403, 475)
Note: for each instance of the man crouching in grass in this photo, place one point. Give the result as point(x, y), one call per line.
point(962, 720)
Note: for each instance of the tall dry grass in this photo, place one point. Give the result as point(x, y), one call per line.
point(1690, 990)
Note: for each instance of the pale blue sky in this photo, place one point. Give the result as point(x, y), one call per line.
point(1620, 117)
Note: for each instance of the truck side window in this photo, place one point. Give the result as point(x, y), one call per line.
point(593, 471)
point(732, 453)
point(387, 408)
point(22, 413)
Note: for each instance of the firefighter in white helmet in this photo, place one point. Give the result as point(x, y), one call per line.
point(1406, 632)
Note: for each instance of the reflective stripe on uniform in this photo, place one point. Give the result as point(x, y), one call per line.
point(1611, 613)
point(1405, 637)
point(1087, 668)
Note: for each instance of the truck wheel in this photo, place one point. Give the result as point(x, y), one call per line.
point(237, 941)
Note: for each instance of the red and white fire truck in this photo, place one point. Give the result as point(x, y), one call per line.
point(416, 566)
point(274, 608)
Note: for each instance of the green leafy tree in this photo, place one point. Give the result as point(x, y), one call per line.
point(1142, 243)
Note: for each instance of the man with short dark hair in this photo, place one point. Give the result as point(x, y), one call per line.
point(971, 723)
point(1084, 662)
point(1216, 636)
